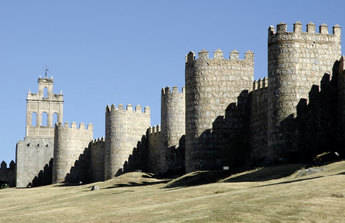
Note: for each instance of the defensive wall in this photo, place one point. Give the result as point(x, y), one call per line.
point(296, 61)
point(124, 128)
point(70, 143)
point(258, 120)
point(96, 148)
point(221, 118)
point(32, 155)
point(156, 150)
point(8, 174)
point(211, 85)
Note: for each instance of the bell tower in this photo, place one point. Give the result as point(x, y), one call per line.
point(43, 109)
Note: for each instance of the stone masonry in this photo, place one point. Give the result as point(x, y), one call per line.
point(221, 118)
point(211, 85)
point(296, 61)
point(124, 128)
point(36, 150)
point(70, 143)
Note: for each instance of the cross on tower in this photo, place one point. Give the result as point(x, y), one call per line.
point(46, 72)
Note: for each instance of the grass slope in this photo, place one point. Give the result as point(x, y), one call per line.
point(276, 194)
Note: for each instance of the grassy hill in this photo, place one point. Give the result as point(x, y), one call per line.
point(287, 193)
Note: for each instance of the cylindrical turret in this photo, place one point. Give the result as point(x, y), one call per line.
point(173, 125)
point(211, 85)
point(69, 144)
point(124, 128)
point(296, 61)
point(172, 116)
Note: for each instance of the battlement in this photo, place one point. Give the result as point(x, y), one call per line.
point(203, 55)
point(260, 83)
point(129, 108)
point(281, 33)
point(172, 91)
point(97, 141)
point(4, 165)
point(73, 125)
point(154, 130)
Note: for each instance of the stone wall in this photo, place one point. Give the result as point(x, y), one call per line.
point(33, 155)
point(296, 61)
point(8, 174)
point(258, 121)
point(70, 143)
point(157, 151)
point(96, 148)
point(211, 85)
point(124, 128)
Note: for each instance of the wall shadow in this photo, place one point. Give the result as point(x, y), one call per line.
point(317, 127)
point(80, 173)
point(44, 177)
point(143, 159)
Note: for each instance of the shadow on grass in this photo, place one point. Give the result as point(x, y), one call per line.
point(69, 185)
point(135, 184)
point(206, 177)
point(197, 178)
point(267, 173)
point(291, 181)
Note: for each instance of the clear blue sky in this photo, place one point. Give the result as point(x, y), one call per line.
point(124, 52)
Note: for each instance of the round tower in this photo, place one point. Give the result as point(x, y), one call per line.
point(172, 116)
point(296, 61)
point(124, 128)
point(173, 120)
point(69, 144)
point(211, 85)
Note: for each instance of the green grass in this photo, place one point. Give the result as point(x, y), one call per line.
point(274, 194)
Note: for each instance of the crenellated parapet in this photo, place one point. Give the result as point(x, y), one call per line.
point(297, 60)
point(69, 143)
point(74, 125)
point(260, 84)
point(128, 108)
point(97, 141)
point(154, 130)
point(211, 85)
point(281, 33)
point(218, 57)
point(172, 91)
point(124, 128)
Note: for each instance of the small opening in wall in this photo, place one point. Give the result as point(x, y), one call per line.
point(55, 118)
point(28, 144)
point(38, 145)
point(45, 92)
point(34, 119)
point(47, 145)
point(44, 119)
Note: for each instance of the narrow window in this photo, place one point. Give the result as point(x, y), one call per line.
point(44, 119)
point(45, 92)
point(55, 118)
point(34, 119)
